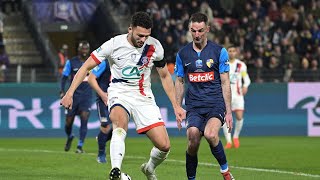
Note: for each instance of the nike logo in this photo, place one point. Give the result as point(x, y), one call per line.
point(187, 64)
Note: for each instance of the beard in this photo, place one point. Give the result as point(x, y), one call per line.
point(136, 43)
point(84, 55)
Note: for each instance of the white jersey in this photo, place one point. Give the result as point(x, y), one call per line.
point(130, 66)
point(238, 77)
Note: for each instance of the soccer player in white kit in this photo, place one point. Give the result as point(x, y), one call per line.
point(131, 57)
point(240, 81)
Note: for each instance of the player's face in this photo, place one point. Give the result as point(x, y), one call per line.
point(232, 52)
point(84, 51)
point(138, 35)
point(198, 31)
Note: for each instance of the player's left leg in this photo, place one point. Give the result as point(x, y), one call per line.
point(160, 139)
point(84, 117)
point(238, 128)
point(211, 133)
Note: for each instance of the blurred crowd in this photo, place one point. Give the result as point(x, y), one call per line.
point(277, 39)
point(7, 7)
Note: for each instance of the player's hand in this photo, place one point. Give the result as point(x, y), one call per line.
point(229, 121)
point(66, 101)
point(180, 116)
point(105, 98)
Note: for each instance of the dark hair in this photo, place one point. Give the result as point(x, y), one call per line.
point(199, 17)
point(141, 19)
point(231, 46)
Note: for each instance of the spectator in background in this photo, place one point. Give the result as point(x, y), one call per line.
point(303, 74)
point(314, 68)
point(4, 63)
point(63, 57)
point(257, 72)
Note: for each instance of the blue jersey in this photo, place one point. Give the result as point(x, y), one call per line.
point(70, 69)
point(103, 74)
point(201, 71)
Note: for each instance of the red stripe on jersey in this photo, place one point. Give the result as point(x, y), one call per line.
point(145, 129)
point(95, 58)
point(151, 50)
point(238, 88)
point(141, 85)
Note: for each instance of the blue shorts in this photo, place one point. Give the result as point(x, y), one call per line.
point(79, 105)
point(199, 117)
point(103, 113)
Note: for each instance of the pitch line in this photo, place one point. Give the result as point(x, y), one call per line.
point(177, 161)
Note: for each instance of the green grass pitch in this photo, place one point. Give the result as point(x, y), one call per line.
point(258, 158)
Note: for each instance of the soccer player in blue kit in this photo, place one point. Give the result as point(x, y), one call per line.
point(99, 80)
point(204, 66)
point(82, 97)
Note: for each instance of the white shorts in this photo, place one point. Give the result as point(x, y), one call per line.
point(237, 103)
point(143, 109)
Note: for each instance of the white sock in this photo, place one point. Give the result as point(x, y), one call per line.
point(117, 147)
point(227, 135)
point(237, 130)
point(156, 158)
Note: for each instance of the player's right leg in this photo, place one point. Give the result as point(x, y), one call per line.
point(105, 132)
point(68, 131)
point(194, 138)
point(119, 117)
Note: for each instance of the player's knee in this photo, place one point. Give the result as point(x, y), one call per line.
point(165, 147)
point(105, 129)
point(211, 135)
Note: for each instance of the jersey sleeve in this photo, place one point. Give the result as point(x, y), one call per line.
point(178, 69)
point(159, 51)
point(224, 61)
point(103, 52)
point(67, 68)
point(245, 76)
point(98, 70)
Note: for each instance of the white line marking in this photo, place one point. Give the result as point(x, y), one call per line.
point(178, 161)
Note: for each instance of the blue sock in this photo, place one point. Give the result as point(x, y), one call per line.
point(83, 131)
point(68, 130)
point(191, 166)
point(102, 140)
point(218, 153)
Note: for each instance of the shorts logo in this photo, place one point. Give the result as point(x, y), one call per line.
point(201, 77)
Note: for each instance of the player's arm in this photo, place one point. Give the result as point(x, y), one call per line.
point(168, 87)
point(65, 74)
point(66, 101)
point(179, 84)
point(246, 79)
point(224, 69)
point(92, 80)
